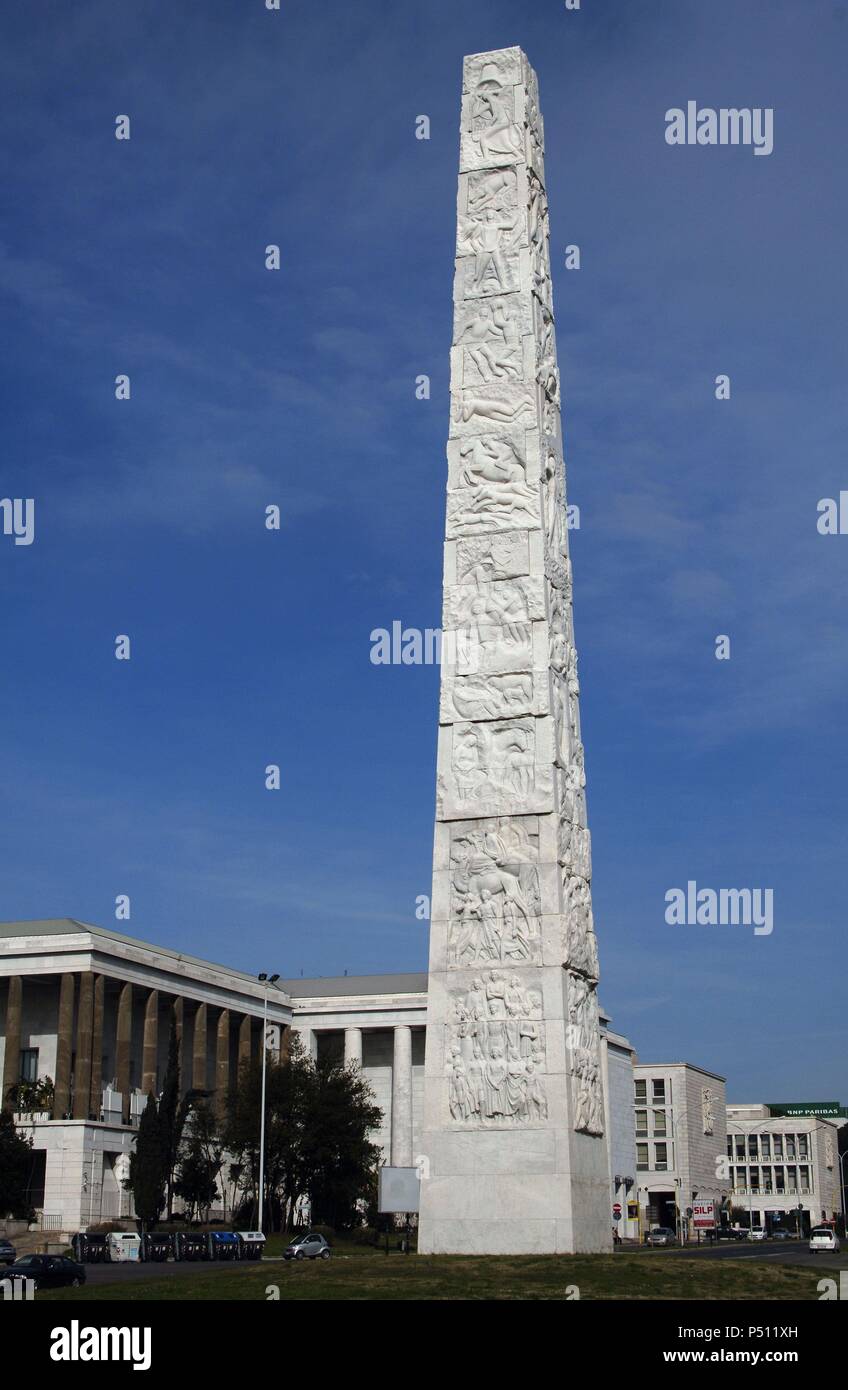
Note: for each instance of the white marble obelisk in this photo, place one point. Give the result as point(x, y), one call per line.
point(513, 1155)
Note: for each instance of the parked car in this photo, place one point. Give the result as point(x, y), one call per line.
point(781, 1233)
point(48, 1271)
point(661, 1235)
point(757, 1233)
point(823, 1238)
point(8, 1253)
point(308, 1247)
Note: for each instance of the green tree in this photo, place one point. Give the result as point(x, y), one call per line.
point(15, 1169)
point(317, 1121)
point(286, 1086)
point(148, 1168)
point(172, 1116)
point(339, 1158)
point(201, 1161)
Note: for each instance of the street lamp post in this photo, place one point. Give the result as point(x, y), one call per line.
point(266, 981)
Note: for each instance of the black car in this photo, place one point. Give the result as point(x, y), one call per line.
point(8, 1253)
point(47, 1271)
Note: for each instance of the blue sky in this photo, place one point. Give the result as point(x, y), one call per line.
point(297, 388)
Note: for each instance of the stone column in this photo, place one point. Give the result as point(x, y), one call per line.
point(222, 1064)
point(178, 1015)
point(12, 1054)
point(64, 1044)
point(200, 1043)
point(513, 1107)
point(353, 1046)
point(150, 1054)
point(82, 1065)
point(402, 1097)
point(95, 1100)
point(123, 1049)
point(245, 1042)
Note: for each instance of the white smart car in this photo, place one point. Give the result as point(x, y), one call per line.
point(823, 1238)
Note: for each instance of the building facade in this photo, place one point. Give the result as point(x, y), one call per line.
point(91, 1012)
point(679, 1115)
point(377, 1021)
point(777, 1164)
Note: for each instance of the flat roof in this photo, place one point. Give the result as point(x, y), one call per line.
point(666, 1066)
point(341, 985)
point(69, 926)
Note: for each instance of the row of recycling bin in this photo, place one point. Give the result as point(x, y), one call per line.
point(158, 1246)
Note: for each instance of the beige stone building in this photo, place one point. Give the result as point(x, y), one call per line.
point(92, 1010)
point(680, 1128)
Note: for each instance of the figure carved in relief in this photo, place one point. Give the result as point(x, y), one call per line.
point(495, 475)
point(491, 238)
point(495, 899)
point(501, 411)
point(493, 188)
point(495, 1053)
point(492, 341)
point(537, 210)
point(484, 558)
point(491, 696)
point(588, 1100)
point(495, 131)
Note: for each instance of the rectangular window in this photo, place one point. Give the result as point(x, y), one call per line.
point(661, 1157)
point(659, 1122)
point(803, 1151)
point(740, 1146)
point(805, 1180)
point(752, 1146)
point(642, 1157)
point(29, 1064)
point(779, 1180)
point(765, 1145)
point(730, 1146)
point(658, 1089)
point(739, 1181)
point(778, 1146)
point(641, 1122)
point(641, 1088)
point(755, 1179)
point(768, 1180)
point(790, 1146)
point(791, 1180)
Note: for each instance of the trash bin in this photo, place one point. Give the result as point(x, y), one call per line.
point(123, 1246)
point(224, 1245)
point(190, 1245)
point(252, 1244)
point(157, 1246)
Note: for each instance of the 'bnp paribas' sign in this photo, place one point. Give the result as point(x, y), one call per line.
point(829, 1109)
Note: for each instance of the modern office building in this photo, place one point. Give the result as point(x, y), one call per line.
point(779, 1163)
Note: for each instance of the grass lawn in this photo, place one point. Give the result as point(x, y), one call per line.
point(370, 1276)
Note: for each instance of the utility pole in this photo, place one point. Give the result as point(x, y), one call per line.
point(266, 981)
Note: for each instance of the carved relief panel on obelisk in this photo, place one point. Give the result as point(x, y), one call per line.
point(514, 1157)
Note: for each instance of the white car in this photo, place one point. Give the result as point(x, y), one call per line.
point(757, 1233)
point(823, 1238)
